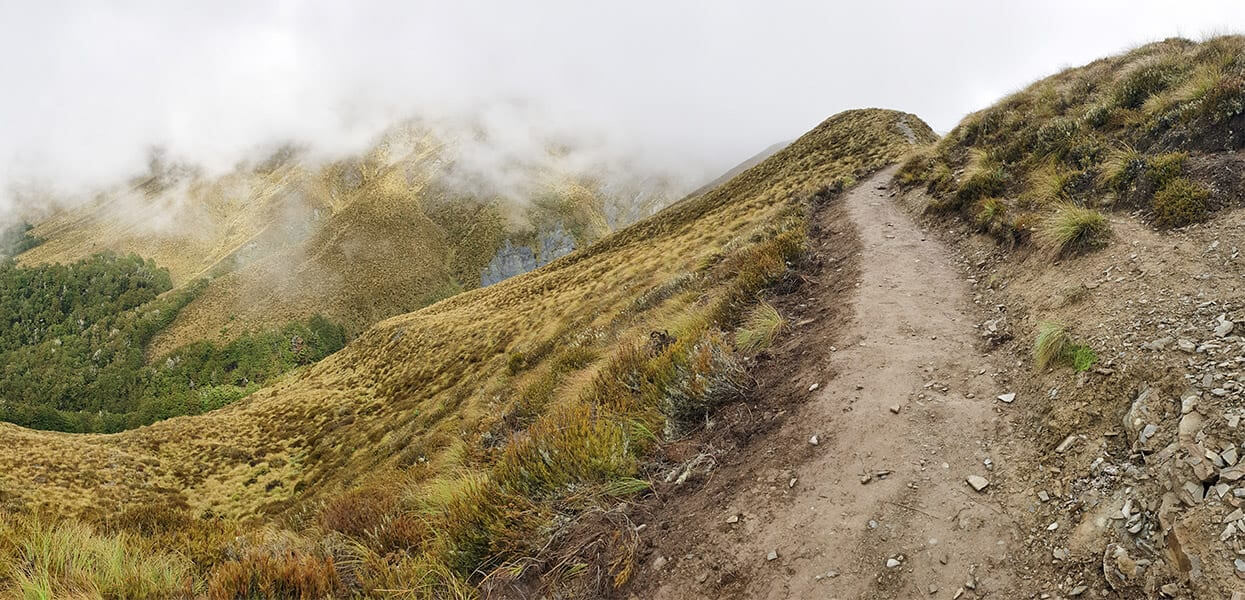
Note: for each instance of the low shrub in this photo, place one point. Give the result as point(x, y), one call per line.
point(1164, 168)
point(1180, 202)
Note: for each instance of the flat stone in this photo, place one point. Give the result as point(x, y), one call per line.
point(895, 408)
point(1066, 443)
point(891, 563)
point(773, 555)
point(978, 482)
point(814, 440)
point(814, 387)
point(1186, 346)
point(1078, 590)
point(1008, 397)
point(1224, 328)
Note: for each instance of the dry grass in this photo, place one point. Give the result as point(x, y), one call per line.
point(459, 463)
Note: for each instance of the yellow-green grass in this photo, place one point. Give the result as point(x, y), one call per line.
point(1072, 230)
point(49, 559)
point(421, 455)
point(760, 329)
point(1054, 345)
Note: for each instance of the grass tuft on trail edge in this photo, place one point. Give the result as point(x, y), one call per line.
point(1073, 230)
point(1055, 346)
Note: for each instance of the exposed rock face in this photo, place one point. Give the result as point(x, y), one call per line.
point(512, 260)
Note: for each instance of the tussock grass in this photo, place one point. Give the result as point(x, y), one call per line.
point(40, 559)
point(1050, 184)
point(1120, 167)
point(1054, 346)
point(760, 329)
point(1073, 230)
point(1051, 345)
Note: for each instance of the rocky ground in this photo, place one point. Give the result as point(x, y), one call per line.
point(1138, 488)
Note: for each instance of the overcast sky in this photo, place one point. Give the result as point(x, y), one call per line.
point(89, 85)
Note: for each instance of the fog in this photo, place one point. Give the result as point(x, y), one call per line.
point(686, 88)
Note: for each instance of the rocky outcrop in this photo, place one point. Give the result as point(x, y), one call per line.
point(512, 259)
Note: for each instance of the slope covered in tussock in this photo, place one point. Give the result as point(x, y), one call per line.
point(1155, 129)
point(446, 442)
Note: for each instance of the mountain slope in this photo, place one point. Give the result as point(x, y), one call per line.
point(411, 224)
point(520, 400)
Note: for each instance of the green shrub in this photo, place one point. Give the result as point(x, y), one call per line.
point(1163, 168)
point(1180, 202)
point(515, 363)
point(1223, 101)
point(1082, 357)
point(16, 239)
point(988, 180)
point(1097, 115)
point(1073, 230)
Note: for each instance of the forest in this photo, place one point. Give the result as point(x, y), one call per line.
point(72, 341)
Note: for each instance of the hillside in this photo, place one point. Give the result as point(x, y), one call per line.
point(1109, 197)
point(1152, 130)
point(440, 446)
point(356, 241)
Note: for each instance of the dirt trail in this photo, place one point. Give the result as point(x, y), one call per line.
point(910, 346)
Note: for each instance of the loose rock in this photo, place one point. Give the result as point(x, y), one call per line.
point(977, 482)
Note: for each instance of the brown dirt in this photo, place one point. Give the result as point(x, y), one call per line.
point(893, 327)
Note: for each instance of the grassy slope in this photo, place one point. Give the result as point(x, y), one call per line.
point(1152, 129)
point(457, 402)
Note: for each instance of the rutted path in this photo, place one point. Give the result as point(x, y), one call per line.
point(910, 347)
